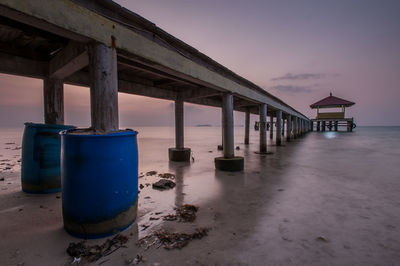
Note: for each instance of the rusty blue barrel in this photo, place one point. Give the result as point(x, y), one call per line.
point(99, 175)
point(40, 161)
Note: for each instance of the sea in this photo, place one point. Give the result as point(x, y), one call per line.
point(326, 197)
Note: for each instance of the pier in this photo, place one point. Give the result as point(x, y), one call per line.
point(113, 50)
point(93, 38)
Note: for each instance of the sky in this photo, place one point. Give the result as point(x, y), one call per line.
point(298, 50)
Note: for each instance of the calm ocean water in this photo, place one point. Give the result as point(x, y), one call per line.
point(153, 141)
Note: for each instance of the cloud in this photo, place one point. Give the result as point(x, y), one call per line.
point(292, 89)
point(304, 76)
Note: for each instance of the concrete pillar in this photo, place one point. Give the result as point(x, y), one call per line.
point(318, 126)
point(227, 114)
point(336, 125)
point(53, 99)
point(295, 129)
point(283, 127)
point(278, 127)
point(271, 128)
point(330, 125)
point(247, 127)
point(289, 128)
point(104, 88)
point(263, 128)
point(179, 153)
point(228, 162)
point(311, 126)
point(323, 126)
point(179, 128)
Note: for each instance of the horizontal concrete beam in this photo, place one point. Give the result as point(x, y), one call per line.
point(69, 60)
point(79, 21)
point(199, 93)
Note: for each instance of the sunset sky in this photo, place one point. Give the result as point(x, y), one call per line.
point(297, 50)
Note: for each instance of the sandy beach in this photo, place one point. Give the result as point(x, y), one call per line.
point(324, 199)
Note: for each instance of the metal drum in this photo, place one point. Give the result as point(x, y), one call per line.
point(40, 162)
point(99, 182)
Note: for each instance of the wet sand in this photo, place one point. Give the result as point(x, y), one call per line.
point(323, 199)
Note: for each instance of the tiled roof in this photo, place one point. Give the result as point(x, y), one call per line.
point(331, 101)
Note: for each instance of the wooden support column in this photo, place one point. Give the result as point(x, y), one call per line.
point(330, 125)
point(104, 88)
point(295, 129)
point(283, 127)
point(311, 126)
point(227, 114)
point(263, 128)
point(271, 128)
point(247, 127)
point(278, 127)
point(53, 99)
point(323, 126)
point(289, 128)
point(318, 126)
point(336, 125)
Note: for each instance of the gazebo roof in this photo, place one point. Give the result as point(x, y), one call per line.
point(331, 101)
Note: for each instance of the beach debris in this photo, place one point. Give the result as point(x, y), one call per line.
point(93, 253)
point(154, 218)
point(237, 148)
point(185, 213)
point(141, 186)
point(151, 173)
point(9, 143)
point(138, 259)
point(157, 213)
point(145, 226)
point(148, 197)
point(2, 179)
point(163, 184)
point(322, 239)
point(210, 151)
point(170, 240)
point(280, 189)
point(167, 176)
point(220, 148)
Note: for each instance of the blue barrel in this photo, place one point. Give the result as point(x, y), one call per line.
point(99, 175)
point(40, 162)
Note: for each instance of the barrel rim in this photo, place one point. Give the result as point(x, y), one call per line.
point(42, 125)
point(120, 133)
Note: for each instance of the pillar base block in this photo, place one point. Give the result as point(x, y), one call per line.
point(234, 164)
point(179, 155)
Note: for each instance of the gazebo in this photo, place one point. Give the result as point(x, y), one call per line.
point(335, 118)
